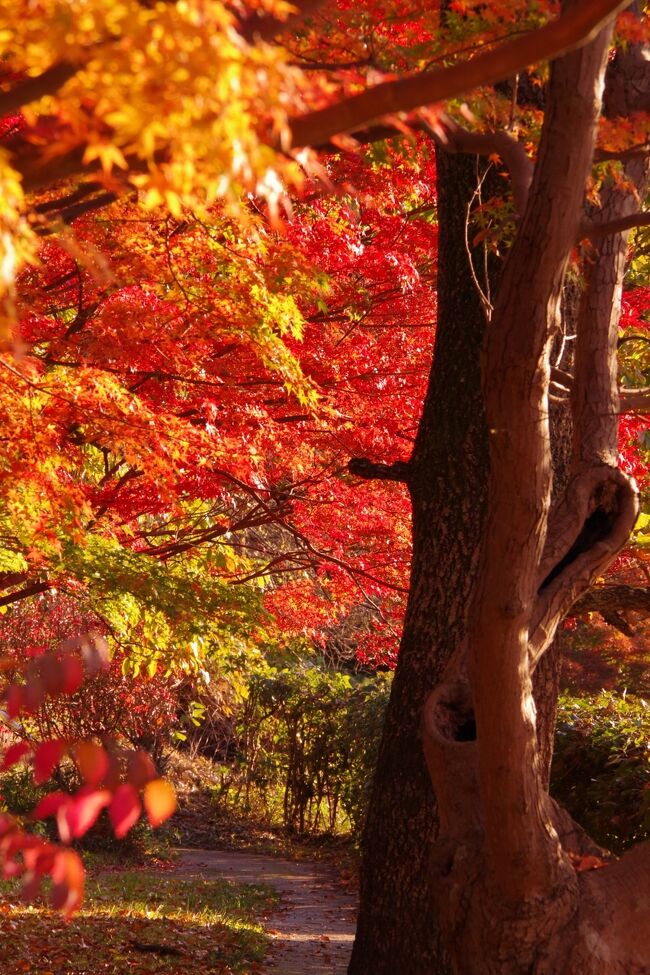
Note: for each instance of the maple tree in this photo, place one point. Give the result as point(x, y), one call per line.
point(187, 389)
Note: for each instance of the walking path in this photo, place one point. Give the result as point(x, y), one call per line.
point(313, 926)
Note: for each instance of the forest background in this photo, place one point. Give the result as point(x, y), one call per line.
point(216, 350)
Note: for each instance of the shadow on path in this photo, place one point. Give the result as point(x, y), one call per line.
point(313, 926)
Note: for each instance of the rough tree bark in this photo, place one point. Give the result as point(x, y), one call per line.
point(509, 898)
point(448, 476)
point(396, 932)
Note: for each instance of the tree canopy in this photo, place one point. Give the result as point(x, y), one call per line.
point(218, 273)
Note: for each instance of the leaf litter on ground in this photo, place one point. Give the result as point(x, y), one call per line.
point(142, 922)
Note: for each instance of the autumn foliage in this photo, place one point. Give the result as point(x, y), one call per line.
point(203, 320)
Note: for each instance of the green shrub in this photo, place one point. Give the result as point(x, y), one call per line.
point(18, 794)
point(601, 766)
point(308, 737)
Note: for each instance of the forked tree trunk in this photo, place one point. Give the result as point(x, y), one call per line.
point(509, 897)
point(397, 931)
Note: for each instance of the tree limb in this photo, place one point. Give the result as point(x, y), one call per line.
point(512, 152)
point(257, 26)
point(32, 590)
point(613, 599)
point(68, 214)
point(635, 400)
point(368, 469)
point(595, 230)
point(31, 89)
point(570, 30)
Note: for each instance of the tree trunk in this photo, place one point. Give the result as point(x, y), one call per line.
point(396, 932)
point(510, 899)
point(501, 853)
point(397, 927)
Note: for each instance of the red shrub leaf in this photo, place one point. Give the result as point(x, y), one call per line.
point(14, 754)
point(49, 805)
point(46, 758)
point(124, 810)
point(73, 674)
point(82, 811)
point(68, 887)
point(15, 698)
point(140, 769)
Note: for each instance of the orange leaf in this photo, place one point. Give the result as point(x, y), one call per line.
point(159, 801)
point(588, 862)
point(92, 761)
point(68, 888)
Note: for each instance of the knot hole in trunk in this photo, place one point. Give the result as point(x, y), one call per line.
point(452, 713)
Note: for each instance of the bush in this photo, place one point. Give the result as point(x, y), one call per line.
point(307, 738)
point(601, 766)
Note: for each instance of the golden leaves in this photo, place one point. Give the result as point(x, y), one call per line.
point(17, 242)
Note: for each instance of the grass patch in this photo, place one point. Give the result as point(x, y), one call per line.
point(139, 922)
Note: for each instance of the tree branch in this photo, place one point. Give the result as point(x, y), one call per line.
point(635, 400)
point(258, 26)
point(607, 228)
point(512, 152)
point(589, 525)
point(570, 30)
point(368, 469)
point(32, 590)
point(68, 214)
point(60, 203)
point(30, 90)
point(613, 599)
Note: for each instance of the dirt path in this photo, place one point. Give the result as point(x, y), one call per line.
point(313, 926)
